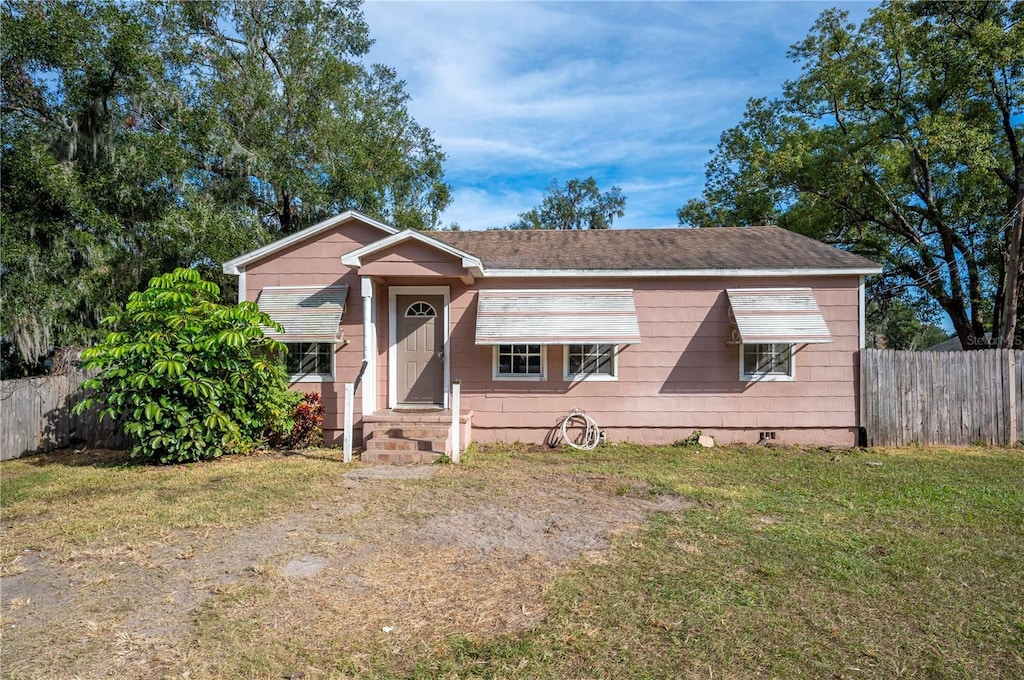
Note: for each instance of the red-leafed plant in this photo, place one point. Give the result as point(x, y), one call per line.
point(309, 423)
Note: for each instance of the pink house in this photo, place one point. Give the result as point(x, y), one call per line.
point(741, 333)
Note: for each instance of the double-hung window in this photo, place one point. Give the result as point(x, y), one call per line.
point(767, 361)
point(520, 362)
point(590, 362)
point(309, 360)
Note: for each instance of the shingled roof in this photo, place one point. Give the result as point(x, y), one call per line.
point(761, 248)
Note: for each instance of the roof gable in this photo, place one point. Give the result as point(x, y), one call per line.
point(236, 265)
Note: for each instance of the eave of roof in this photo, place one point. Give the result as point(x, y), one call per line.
point(236, 265)
point(678, 273)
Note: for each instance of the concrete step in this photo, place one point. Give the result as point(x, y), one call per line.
point(399, 457)
point(408, 436)
point(437, 445)
point(410, 432)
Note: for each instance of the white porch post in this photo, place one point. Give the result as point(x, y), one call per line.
point(456, 424)
point(369, 347)
point(350, 394)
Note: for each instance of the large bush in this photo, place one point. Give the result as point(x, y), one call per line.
point(191, 379)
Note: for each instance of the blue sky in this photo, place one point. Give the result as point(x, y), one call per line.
point(632, 93)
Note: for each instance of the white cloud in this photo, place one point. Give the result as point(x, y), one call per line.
point(479, 208)
point(633, 93)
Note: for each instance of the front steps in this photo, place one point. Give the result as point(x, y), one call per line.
point(408, 436)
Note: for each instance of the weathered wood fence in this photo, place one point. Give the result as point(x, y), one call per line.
point(35, 415)
point(961, 398)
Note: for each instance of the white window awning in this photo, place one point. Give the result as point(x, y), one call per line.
point(556, 317)
point(790, 315)
point(311, 313)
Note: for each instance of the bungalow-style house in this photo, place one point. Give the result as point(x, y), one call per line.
point(741, 333)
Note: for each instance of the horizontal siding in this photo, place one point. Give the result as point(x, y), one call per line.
point(318, 263)
point(682, 375)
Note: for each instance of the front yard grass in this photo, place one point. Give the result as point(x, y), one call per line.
point(64, 501)
point(791, 563)
point(797, 564)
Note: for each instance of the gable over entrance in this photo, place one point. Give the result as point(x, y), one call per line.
point(412, 253)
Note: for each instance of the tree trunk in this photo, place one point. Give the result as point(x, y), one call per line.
point(1007, 333)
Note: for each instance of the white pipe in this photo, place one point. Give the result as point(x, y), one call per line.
point(861, 321)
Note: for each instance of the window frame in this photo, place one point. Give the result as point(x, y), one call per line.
point(612, 376)
point(311, 377)
point(789, 376)
point(495, 364)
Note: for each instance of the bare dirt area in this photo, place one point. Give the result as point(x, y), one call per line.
point(389, 559)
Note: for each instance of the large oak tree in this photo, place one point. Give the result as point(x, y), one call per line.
point(142, 137)
point(901, 138)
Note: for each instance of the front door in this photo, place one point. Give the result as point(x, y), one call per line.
point(420, 349)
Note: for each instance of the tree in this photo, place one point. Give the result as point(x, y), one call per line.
point(142, 137)
point(578, 205)
point(902, 140)
point(895, 322)
point(191, 379)
point(87, 170)
point(291, 125)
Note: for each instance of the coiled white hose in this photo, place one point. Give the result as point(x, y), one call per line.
point(590, 435)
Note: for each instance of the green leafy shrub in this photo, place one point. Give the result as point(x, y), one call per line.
point(309, 423)
point(189, 378)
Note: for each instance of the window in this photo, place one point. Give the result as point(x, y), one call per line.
point(519, 362)
point(590, 362)
point(767, 361)
point(420, 309)
point(309, 359)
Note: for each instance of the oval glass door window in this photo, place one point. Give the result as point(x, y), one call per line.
point(420, 309)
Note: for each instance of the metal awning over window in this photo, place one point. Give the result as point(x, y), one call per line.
point(789, 315)
point(311, 313)
point(556, 317)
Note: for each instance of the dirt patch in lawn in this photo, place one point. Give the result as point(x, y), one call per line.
point(373, 566)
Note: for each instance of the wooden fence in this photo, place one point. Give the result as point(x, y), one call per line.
point(961, 398)
point(35, 416)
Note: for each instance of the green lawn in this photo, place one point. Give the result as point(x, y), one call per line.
point(793, 563)
point(796, 564)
